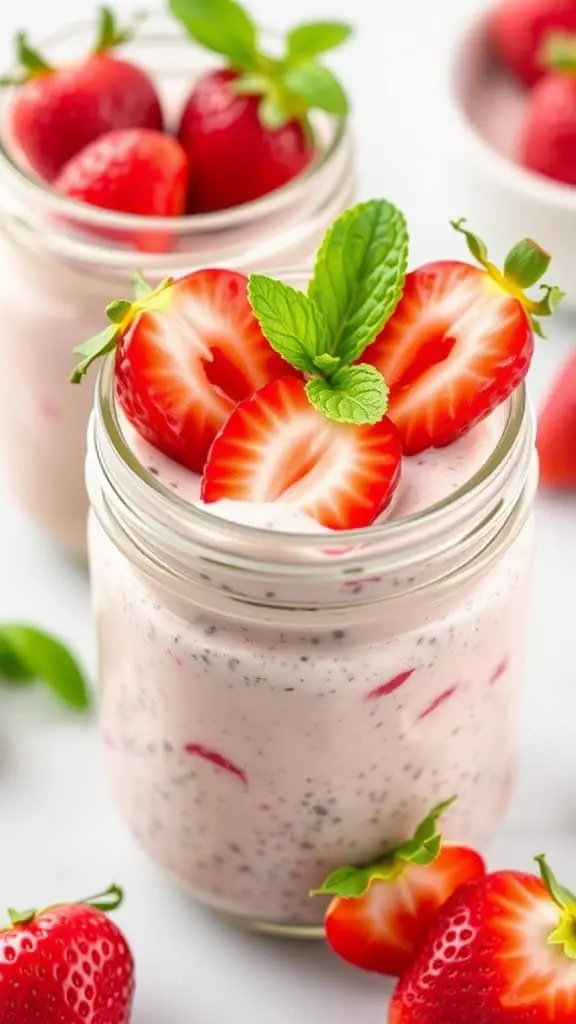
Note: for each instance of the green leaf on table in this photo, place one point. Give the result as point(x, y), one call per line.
point(317, 37)
point(359, 275)
point(30, 653)
point(222, 26)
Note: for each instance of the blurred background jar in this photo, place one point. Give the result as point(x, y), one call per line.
point(64, 260)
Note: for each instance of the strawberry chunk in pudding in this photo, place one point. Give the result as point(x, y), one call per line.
point(283, 697)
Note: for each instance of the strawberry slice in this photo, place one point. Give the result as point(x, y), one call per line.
point(501, 951)
point(383, 911)
point(460, 341)
point(187, 353)
point(277, 447)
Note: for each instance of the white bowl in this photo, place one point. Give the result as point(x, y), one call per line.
point(503, 201)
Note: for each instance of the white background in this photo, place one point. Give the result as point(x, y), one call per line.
point(59, 836)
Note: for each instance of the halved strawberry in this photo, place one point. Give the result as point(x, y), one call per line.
point(383, 910)
point(187, 353)
point(501, 951)
point(277, 447)
point(460, 342)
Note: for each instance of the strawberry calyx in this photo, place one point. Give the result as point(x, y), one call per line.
point(106, 901)
point(109, 35)
point(564, 934)
point(288, 86)
point(121, 313)
point(423, 848)
point(524, 266)
point(559, 53)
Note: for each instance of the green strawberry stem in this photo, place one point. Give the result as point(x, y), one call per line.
point(423, 848)
point(524, 265)
point(288, 86)
point(109, 35)
point(559, 53)
point(106, 901)
point(564, 934)
point(120, 314)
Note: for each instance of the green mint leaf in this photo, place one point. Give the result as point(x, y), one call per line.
point(355, 394)
point(316, 37)
point(12, 669)
point(41, 656)
point(326, 363)
point(251, 83)
point(291, 323)
point(93, 349)
point(272, 112)
point(359, 275)
point(222, 26)
point(526, 263)
point(318, 87)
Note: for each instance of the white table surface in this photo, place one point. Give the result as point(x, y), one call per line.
point(59, 835)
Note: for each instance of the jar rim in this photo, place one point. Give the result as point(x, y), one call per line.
point(118, 458)
point(196, 223)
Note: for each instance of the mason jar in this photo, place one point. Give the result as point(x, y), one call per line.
point(274, 705)
point(62, 261)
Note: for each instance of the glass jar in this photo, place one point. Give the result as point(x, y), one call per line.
point(63, 261)
point(275, 705)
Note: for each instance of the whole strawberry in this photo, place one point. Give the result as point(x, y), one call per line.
point(58, 111)
point(68, 963)
point(137, 171)
point(519, 28)
point(557, 431)
point(245, 127)
point(548, 139)
point(501, 951)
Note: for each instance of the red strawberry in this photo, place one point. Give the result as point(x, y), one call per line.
point(557, 431)
point(277, 447)
point(460, 341)
point(501, 951)
point(233, 158)
point(58, 111)
point(245, 127)
point(135, 171)
point(68, 963)
point(187, 353)
point(548, 140)
point(383, 910)
point(519, 28)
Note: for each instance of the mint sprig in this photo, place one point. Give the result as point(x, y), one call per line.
point(355, 394)
point(290, 85)
point(28, 653)
point(222, 26)
point(355, 287)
